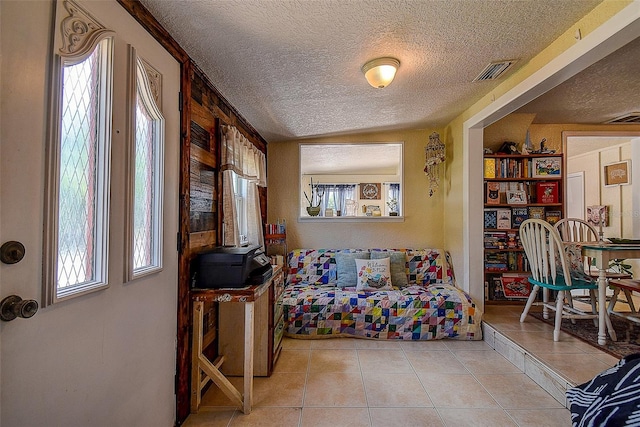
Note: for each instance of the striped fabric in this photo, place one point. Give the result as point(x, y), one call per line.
point(611, 398)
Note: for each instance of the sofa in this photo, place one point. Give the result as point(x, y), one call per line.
point(349, 293)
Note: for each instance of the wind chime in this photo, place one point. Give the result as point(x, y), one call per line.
point(434, 156)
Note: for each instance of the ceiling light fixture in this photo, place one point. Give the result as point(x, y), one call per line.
point(381, 71)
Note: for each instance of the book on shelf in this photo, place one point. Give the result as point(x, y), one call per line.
point(517, 197)
point(490, 218)
point(507, 167)
point(496, 262)
point(536, 212)
point(516, 285)
point(518, 216)
point(546, 167)
point(493, 193)
point(553, 216)
point(517, 261)
point(504, 219)
point(547, 192)
point(495, 288)
point(489, 168)
point(280, 227)
point(495, 239)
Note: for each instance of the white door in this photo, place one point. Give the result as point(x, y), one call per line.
point(575, 196)
point(106, 358)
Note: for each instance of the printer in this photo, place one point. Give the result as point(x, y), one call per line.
point(230, 267)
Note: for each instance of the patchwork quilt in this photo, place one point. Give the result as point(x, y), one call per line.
point(431, 307)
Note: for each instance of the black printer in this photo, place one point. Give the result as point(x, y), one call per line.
point(230, 267)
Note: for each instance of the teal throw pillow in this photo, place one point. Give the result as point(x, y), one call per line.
point(346, 268)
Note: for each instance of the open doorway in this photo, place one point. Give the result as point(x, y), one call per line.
point(589, 154)
point(611, 36)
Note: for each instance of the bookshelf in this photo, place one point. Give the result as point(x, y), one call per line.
point(275, 240)
point(516, 187)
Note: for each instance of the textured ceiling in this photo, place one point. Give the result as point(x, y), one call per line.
point(607, 89)
point(292, 67)
point(351, 159)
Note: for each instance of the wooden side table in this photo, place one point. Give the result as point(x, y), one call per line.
point(201, 364)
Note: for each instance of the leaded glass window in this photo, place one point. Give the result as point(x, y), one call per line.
point(78, 179)
point(148, 157)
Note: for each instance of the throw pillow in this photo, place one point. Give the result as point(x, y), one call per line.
point(576, 263)
point(398, 266)
point(373, 274)
point(346, 267)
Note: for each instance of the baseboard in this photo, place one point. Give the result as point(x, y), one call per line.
point(551, 381)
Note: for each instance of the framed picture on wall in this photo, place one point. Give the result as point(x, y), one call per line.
point(598, 215)
point(618, 173)
point(370, 191)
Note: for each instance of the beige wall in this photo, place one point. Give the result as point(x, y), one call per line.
point(596, 193)
point(619, 198)
point(514, 128)
point(553, 132)
point(423, 215)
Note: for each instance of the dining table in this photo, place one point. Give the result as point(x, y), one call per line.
point(602, 253)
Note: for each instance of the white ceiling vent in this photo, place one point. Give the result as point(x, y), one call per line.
point(495, 70)
point(625, 119)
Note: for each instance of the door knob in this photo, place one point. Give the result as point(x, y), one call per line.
point(13, 306)
point(11, 252)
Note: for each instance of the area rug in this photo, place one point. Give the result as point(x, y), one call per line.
point(628, 334)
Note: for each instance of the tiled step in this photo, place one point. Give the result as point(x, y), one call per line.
point(553, 382)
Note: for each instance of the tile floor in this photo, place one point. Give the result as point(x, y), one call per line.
point(354, 382)
point(571, 358)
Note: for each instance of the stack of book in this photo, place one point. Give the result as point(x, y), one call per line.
point(496, 262)
point(495, 240)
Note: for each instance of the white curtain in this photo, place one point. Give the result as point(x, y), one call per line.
point(338, 193)
point(242, 157)
point(231, 233)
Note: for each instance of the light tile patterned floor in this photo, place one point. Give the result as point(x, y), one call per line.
point(570, 357)
point(354, 382)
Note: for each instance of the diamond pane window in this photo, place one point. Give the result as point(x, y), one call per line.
point(81, 149)
point(76, 234)
point(148, 158)
point(144, 195)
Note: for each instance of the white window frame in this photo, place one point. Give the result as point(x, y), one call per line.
point(73, 44)
point(139, 85)
point(240, 193)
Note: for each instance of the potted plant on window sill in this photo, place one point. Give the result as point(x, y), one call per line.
point(393, 207)
point(316, 198)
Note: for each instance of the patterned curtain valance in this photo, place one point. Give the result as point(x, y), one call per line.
point(242, 157)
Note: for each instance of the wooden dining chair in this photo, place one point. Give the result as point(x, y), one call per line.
point(550, 270)
point(578, 230)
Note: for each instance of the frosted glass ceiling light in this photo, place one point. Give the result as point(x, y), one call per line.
point(381, 71)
